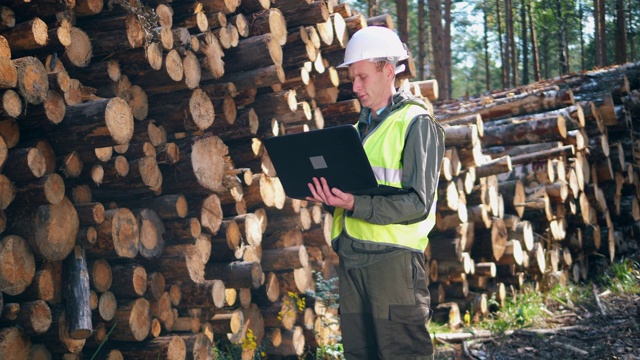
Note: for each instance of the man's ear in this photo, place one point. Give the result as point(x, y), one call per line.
point(390, 70)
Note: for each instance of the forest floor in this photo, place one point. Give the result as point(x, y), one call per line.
point(563, 324)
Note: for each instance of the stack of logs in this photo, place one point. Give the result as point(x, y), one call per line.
point(148, 221)
point(538, 182)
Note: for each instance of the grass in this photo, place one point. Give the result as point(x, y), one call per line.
point(530, 308)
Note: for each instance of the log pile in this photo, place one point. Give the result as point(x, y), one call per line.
point(555, 187)
point(143, 218)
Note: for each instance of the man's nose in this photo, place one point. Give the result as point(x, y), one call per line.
point(356, 85)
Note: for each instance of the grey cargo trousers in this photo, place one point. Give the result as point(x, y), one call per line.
point(384, 308)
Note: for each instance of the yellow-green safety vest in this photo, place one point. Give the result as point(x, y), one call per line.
point(384, 147)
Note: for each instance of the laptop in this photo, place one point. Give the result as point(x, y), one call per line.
point(335, 153)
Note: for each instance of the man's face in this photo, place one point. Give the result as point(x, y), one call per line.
point(371, 84)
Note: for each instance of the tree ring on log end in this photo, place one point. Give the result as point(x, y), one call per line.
point(80, 51)
point(201, 109)
point(119, 120)
point(208, 162)
point(56, 228)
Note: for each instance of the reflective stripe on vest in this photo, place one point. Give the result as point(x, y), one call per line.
point(384, 147)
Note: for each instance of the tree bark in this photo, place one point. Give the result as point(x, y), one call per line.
point(78, 308)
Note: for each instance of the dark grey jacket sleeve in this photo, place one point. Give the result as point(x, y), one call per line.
point(422, 157)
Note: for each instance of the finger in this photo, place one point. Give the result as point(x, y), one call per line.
point(320, 190)
point(325, 188)
point(328, 195)
point(314, 192)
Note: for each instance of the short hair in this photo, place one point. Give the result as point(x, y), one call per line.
point(382, 61)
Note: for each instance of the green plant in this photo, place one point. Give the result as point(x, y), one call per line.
point(332, 351)
point(622, 277)
point(104, 340)
point(326, 293)
point(525, 310)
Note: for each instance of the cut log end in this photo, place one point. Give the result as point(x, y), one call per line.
point(208, 162)
point(79, 52)
point(119, 120)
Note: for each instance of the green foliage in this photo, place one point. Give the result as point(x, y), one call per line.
point(326, 293)
point(525, 310)
point(224, 350)
point(326, 290)
point(555, 21)
point(330, 352)
point(622, 277)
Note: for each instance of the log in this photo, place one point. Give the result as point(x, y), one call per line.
point(180, 262)
point(254, 52)
point(542, 130)
point(236, 274)
point(182, 230)
point(101, 275)
point(7, 192)
point(252, 78)
point(33, 83)
point(132, 321)
point(25, 165)
point(8, 80)
point(47, 190)
point(288, 258)
point(27, 35)
point(286, 342)
point(170, 347)
point(209, 294)
point(51, 230)
point(172, 107)
point(198, 347)
point(15, 279)
point(465, 136)
point(41, 288)
point(204, 167)
point(152, 232)
point(447, 313)
point(93, 124)
point(14, 343)
point(491, 245)
point(494, 167)
point(90, 213)
point(167, 207)
point(118, 235)
point(299, 13)
point(228, 322)
point(129, 280)
point(269, 21)
point(78, 308)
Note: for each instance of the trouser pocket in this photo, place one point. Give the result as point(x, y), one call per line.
point(405, 332)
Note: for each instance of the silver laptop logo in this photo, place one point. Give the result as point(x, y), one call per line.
point(318, 162)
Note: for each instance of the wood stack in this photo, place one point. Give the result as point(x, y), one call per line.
point(138, 204)
point(555, 186)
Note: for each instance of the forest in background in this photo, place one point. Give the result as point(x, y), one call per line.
point(476, 46)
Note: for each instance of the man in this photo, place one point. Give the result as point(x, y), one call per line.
point(384, 299)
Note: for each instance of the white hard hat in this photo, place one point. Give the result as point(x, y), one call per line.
point(374, 42)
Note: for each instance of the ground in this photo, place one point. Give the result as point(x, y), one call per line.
point(568, 331)
point(616, 335)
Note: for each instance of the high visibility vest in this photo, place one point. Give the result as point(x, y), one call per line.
point(384, 147)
